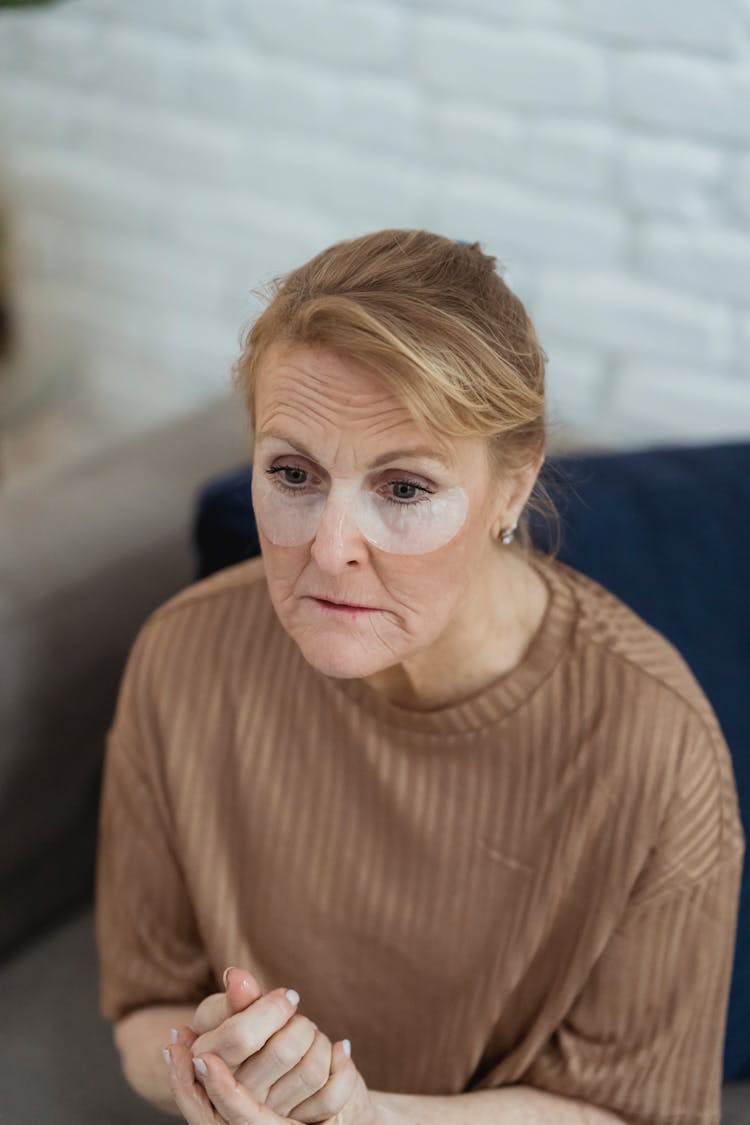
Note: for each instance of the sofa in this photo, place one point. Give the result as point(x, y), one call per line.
point(87, 553)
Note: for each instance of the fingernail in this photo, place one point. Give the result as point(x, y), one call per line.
point(167, 1056)
point(347, 1047)
point(292, 996)
point(173, 1034)
point(226, 972)
point(200, 1066)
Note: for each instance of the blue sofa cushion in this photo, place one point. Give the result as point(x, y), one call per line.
point(224, 530)
point(665, 529)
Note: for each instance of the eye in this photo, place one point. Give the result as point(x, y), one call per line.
point(407, 493)
point(294, 477)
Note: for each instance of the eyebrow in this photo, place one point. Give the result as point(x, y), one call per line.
point(422, 451)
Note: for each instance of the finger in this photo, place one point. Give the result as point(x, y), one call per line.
point(242, 989)
point(344, 1085)
point(284, 1051)
point(305, 1079)
point(186, 1036)
point(230, 1099)
point(244, 1033)
point(192, 1100)
point(211, 1012)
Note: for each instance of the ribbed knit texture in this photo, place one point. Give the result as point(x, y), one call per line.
point(536, 885)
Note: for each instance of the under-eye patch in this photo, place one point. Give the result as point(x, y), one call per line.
point(290, 515)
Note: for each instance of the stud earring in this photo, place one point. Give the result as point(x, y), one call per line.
point(507, 534)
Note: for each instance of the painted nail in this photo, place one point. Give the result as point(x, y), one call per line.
point(167, 1056)
point(292, 996)
point(347, 1047)
point(200, 1066)
point(173, 1034)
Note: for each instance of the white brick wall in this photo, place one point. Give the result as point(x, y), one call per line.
point(159, 160)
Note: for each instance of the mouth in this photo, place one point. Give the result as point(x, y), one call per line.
point(343, 607)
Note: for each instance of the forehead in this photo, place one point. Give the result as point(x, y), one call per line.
point(315, 394)
point(300, 373)
point(317, 398)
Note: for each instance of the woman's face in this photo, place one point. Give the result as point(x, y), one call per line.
point(345, 419)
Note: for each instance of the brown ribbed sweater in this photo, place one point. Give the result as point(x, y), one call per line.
point(536, 885)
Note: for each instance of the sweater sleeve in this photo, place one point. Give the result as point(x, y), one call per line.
point(149, 947)
point(644, 1038)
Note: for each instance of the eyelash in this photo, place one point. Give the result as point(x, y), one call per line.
point(390, 499)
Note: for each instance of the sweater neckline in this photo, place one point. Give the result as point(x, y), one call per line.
point(498, 699)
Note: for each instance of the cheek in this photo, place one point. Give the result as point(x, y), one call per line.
point(436, 585)
point(439, 578)
point(283, 566)
point(428, 585)
point(464, 550)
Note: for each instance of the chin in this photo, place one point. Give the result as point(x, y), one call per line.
point(340, 658)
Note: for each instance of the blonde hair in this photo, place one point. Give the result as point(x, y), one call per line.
point(438, 325)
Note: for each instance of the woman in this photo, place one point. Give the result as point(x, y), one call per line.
point(457, 795)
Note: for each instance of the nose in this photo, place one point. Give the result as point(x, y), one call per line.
point(338, 542)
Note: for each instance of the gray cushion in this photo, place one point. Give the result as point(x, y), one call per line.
point(58, 1061)
point(85, 555)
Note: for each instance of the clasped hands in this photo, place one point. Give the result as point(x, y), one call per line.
point(265, 1063)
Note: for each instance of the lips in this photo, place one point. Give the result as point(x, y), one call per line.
point(344, 605)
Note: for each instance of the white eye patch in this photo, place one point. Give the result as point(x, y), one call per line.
point(289, 515)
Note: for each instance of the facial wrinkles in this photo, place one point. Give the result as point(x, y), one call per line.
point(328, 415)
point(400, 611)
point(352, 429)
point(309, 384)
point(346, 427)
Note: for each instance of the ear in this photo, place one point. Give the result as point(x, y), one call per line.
point(513, 497)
